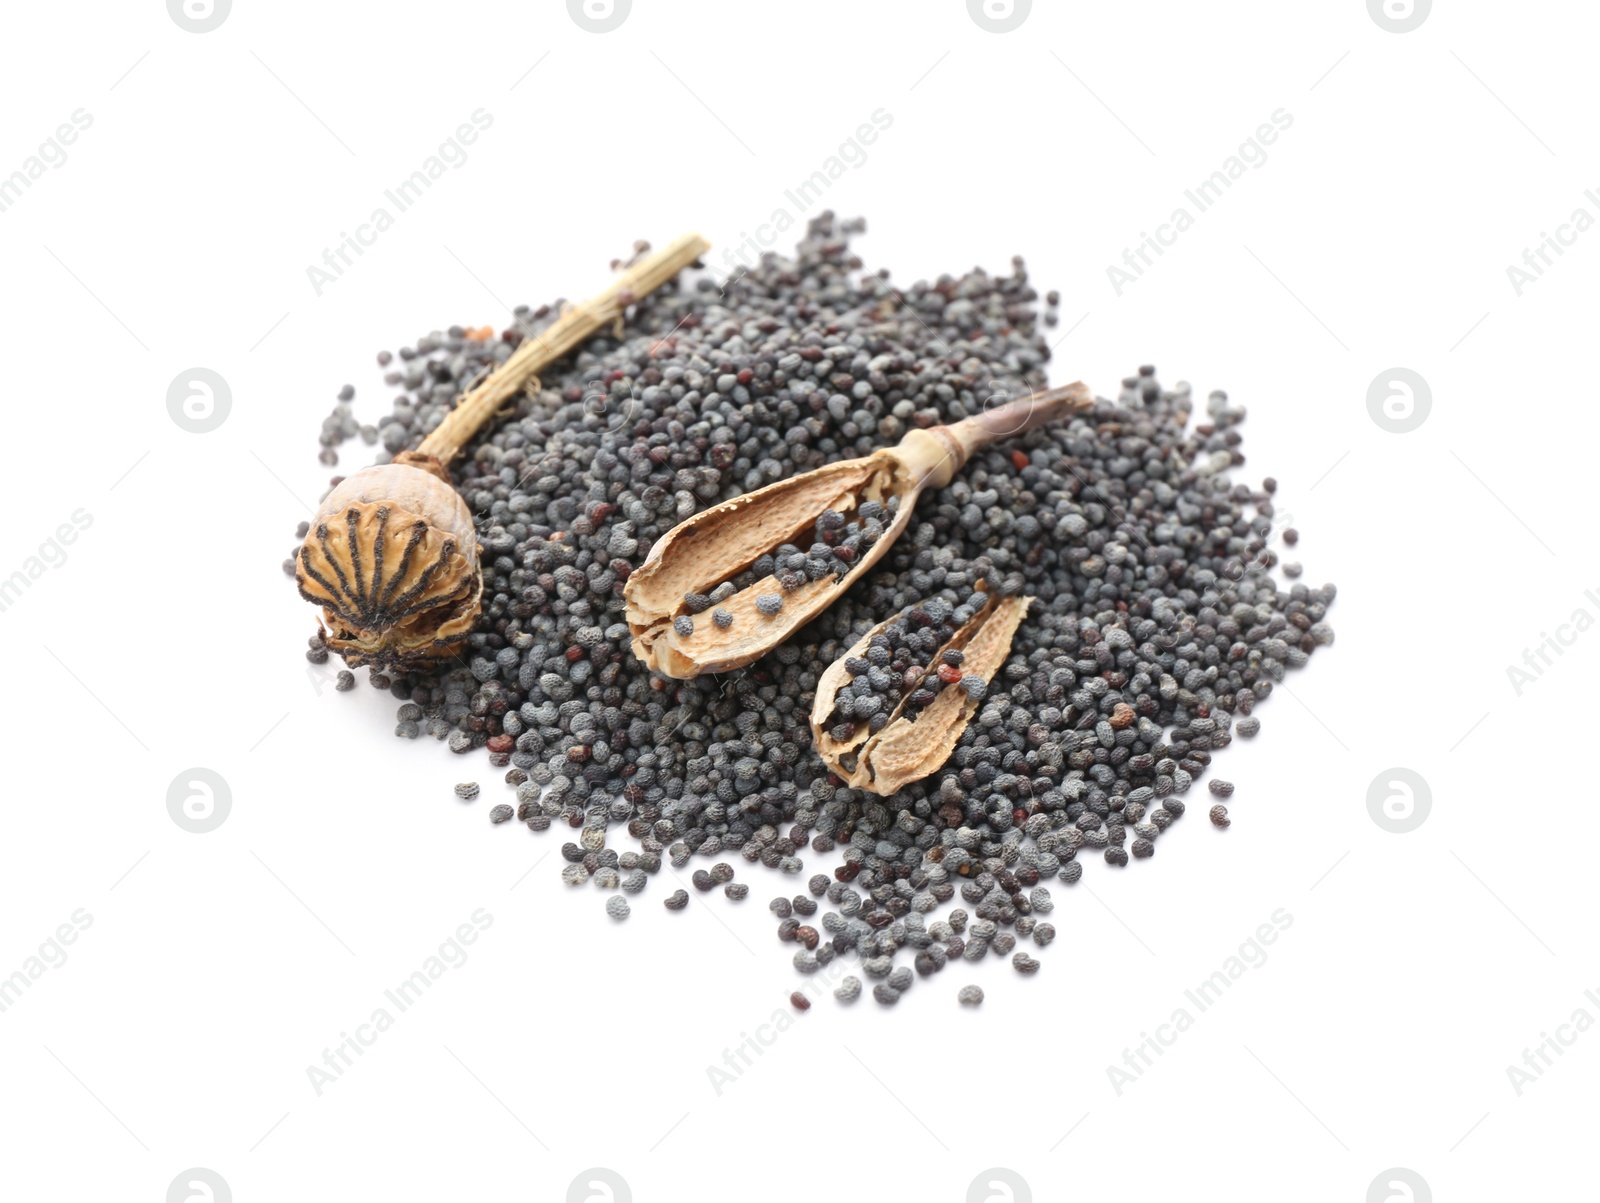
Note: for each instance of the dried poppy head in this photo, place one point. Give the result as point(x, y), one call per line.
point(392, 559)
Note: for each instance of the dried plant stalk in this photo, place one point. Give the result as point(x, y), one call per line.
point(539, 351)
point(392, 554)
point(720, 543)
point(913, 745)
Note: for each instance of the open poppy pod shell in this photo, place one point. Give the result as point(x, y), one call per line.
point(392, 559)
point(914, 744)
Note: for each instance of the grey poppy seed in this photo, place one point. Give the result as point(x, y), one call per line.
point(1159, 625)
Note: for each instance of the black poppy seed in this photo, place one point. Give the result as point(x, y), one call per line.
point(970, 996)
point(1219, 816)
point(501, 813)
point(683, 625)
point(467, 791)
point(1158, 607)
point(676, 900)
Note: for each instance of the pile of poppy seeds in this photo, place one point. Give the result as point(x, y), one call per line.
point(1158, 626)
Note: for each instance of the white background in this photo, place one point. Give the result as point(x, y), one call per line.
point(218, 967)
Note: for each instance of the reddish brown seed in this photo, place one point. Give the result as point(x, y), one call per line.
point(949, 674)
point(807, 935)
point(799, 1001)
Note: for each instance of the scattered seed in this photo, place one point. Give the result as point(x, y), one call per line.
point(1160, 626)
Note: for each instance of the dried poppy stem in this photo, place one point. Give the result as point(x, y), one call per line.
point(718, 544)
point(539, 351)
point(392, 554)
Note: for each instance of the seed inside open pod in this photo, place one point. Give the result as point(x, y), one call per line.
point(737, 541)
point(673, 635)
point(883, 754)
